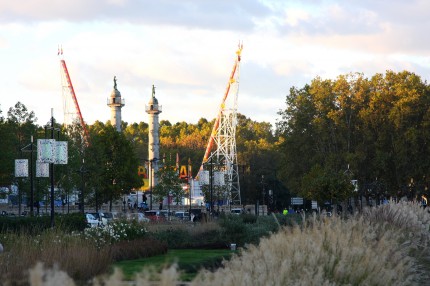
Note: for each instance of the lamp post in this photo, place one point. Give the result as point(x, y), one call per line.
point(189, 180)
point(264, 190)
point(51, 152)
point(82, 172)
point(189, 190)
point(211, 185)
point(31, 150)
point(150, 162)
point(51, 167)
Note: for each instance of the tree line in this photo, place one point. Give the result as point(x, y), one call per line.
point(331, 131)
point(104, 169)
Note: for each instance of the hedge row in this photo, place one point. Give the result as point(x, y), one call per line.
point(36, 224)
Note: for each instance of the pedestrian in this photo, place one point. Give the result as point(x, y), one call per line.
point(285, 211)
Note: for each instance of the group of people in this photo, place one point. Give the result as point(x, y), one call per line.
point(290, 211)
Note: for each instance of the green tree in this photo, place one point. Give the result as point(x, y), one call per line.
point(168, 183)
point(111, 163)
point(326, 185)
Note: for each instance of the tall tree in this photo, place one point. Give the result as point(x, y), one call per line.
point(112, 164)
point(169, 183)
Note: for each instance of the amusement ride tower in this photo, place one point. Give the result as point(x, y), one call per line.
point(224, 136)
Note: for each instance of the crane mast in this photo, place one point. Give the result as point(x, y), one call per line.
point(223, 135)
point(69, 93)
point(222, 106)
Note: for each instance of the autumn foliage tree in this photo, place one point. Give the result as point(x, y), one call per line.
point(376, 128)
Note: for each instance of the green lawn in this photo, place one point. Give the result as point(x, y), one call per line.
point(189, 261)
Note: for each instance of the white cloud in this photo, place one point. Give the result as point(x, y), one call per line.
point(186, 48)
point(295, 16)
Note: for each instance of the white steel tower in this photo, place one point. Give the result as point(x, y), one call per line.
point(224, 136)
point(153, 109)
point(115, 102)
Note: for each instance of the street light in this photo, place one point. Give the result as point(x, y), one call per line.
point(211, 185)
point(203, 178)
point(51, 166)
point(264, 190)
point(31, 150)
point(82, 172)
point(151, 161)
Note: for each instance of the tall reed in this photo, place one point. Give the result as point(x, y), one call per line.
point(53, 248)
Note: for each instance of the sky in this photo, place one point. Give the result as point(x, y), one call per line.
point(186, 48)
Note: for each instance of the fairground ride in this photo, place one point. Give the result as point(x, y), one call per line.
point(223, 158)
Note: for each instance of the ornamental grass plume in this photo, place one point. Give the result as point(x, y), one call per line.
point(410, 217)
point(39, 276)
point(330, 251)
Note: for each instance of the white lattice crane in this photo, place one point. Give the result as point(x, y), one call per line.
point(224, 137)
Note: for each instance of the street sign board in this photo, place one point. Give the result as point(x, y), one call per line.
point(297, 201)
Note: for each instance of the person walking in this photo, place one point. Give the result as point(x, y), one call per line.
point(285, 211)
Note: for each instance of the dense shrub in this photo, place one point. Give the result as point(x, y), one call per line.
point(137, 248)
point(36, 224)
point(268, 222)
point(210, 239)
point(20, 224)
point(115, 232)
point(203, 236)
point(249, 218)
point(71, 222)
point(234, 230)
point(174, 238)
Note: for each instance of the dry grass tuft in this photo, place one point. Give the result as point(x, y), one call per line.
point(74, 255)
point(38, 276)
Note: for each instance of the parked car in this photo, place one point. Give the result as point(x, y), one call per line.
point(182, 215)
point(167, 214)
point(140, 217)
point(237, 211)
point(106, 217)
point(118, 215)
point(155, 215)
point(93, 219)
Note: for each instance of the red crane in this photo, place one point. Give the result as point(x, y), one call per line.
point(67, 83)
point(217, 120)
